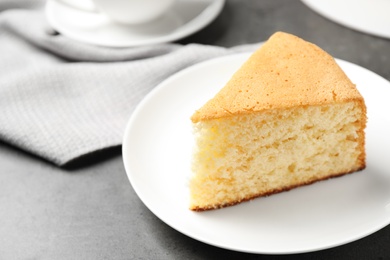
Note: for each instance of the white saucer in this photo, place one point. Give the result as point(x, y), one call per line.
point(185, 18)
point(368, 16)
point(157, 150)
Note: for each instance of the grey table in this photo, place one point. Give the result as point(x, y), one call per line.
point(88, 210)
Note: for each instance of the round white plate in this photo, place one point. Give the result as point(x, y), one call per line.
point(185, 18)
point(367, 16)
point(157, 151)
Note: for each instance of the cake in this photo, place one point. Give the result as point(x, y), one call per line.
point(288, 117)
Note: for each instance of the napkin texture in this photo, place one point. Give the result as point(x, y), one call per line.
point(61, 99)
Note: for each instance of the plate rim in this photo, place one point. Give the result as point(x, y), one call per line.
point(215, 6)
point(317, 7)
point(160, 87)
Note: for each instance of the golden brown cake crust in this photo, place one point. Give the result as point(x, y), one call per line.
point(303, 73)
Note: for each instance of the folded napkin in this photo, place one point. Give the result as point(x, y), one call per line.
point(61, 99)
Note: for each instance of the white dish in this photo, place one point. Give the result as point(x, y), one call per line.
point(185, 18)
point(157, 151)
point(367, 16)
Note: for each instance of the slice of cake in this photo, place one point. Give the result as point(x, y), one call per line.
point(288, 117)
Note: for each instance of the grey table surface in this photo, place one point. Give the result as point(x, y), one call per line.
point(89, 210)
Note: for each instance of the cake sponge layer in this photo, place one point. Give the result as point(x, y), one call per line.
point(250, 155)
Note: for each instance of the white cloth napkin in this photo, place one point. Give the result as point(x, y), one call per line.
point(61, 99)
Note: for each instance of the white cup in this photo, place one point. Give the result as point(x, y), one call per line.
point(126, 11)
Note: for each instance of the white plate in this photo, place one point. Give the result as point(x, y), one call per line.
point(185, 18)
point(157, 151)
point(368, 16)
